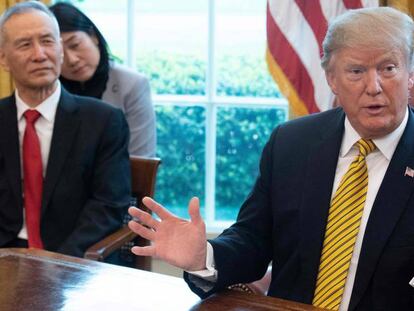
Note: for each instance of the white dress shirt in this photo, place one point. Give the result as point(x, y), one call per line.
point(377, 163)
point(44, 129)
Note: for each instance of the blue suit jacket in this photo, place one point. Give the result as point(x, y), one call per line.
point(87, 185)
point(284, 218)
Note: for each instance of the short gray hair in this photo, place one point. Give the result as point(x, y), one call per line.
point(381, 27)
point(21, 8)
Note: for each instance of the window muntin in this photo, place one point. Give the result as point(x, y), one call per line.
point(206, 65)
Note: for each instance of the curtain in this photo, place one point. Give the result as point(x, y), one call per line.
point(406, 6)
point(295, 31)
point(295, 24)
point(6, 82)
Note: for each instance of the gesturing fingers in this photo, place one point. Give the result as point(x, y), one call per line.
point(143, 250)
point(157, 208)
point(194, 211)
point(141, 230)
point(143, 217)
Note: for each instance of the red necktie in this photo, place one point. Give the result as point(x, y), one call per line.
point(33, 179)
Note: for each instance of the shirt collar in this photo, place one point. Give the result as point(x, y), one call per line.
point(386, 144)
point(47, 108)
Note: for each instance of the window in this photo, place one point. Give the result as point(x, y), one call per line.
point(215, 102)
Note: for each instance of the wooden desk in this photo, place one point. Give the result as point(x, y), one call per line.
point(34, 280)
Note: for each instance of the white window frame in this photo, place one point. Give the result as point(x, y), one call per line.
point(211, 102)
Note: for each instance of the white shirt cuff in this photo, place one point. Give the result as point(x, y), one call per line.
point(412, 282)
point(210, 273)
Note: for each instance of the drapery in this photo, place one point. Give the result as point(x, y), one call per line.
point(6, 83)
point(406, 6)
point(295, 31)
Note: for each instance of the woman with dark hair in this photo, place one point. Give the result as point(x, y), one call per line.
point(88, 70)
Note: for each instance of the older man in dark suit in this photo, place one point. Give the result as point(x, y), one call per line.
point(64, 165)
point(333, 207)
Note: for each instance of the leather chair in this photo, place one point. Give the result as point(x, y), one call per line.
point(143, 178)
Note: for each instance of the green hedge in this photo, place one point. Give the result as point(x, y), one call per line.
point(241, 132)
point(179, 74)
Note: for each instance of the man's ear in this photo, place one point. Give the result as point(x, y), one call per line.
point(411, 80)
point(62, 51)
point(3, 60)
point(331, 79)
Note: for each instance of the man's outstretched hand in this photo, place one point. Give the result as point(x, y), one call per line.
point(177, 241)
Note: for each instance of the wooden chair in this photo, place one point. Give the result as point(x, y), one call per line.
point(143, 177)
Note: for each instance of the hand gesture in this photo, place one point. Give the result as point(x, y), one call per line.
point(177, 241)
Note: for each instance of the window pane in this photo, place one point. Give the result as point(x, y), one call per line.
point(241, 136)
point(241, 46)
point(110, 18)
point(171, 45)
point(181, 147)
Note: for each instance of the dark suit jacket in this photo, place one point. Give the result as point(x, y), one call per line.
point(284, 218)
point(86, 189)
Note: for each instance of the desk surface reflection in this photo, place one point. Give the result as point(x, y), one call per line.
point(34, 280)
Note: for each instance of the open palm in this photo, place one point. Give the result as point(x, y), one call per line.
point(177, 241)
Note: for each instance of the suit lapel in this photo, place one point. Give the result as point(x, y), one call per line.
point(9, 140)
point(386, 211)
point(316, 200)
point(66, 125)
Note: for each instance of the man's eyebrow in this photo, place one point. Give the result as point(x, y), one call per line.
point(390, 59)
point(21, 40)
point(352, 64)
point(47, 35)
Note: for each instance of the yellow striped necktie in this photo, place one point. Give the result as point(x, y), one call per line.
point(341, 231)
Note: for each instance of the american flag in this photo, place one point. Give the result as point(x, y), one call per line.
point(295, 31)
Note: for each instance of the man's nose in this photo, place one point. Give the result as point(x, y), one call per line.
point(39, 53)
point(373, 83)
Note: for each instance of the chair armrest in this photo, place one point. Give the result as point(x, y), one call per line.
point(109, 244)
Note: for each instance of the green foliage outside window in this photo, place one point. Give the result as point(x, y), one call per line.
point(179, 74)
point(245, 75)
point(241, 132)
point(181, 146)
point(241, 136)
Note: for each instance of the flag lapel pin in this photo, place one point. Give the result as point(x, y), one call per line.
point(409, 172)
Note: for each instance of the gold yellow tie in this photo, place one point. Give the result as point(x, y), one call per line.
point(341, 230)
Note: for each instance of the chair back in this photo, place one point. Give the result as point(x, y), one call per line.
point(143, 177)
